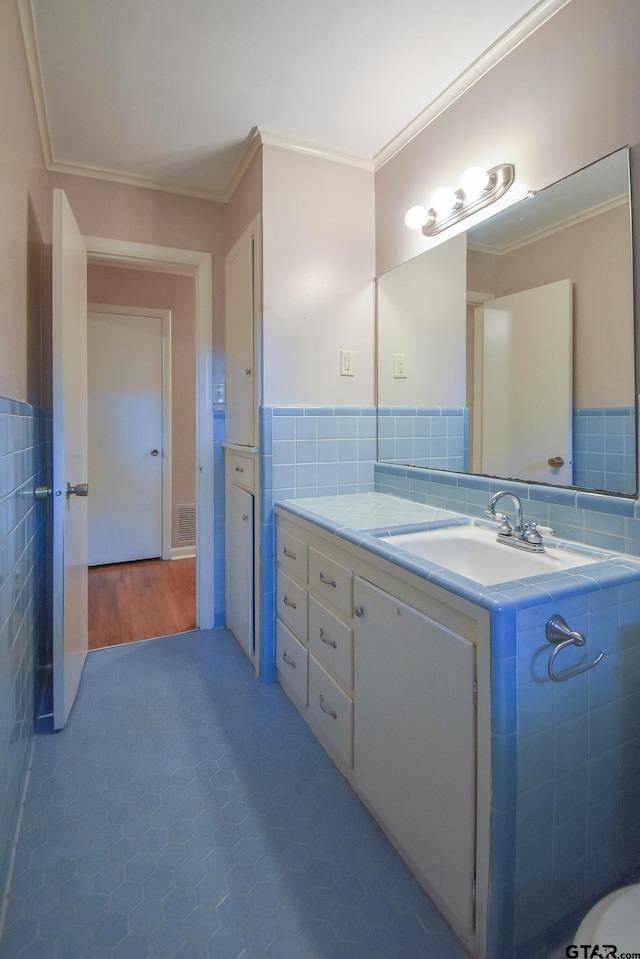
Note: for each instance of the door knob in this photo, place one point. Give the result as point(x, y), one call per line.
point(82, 489)
point(154, 452)
point(555, 462)
point(41, 492)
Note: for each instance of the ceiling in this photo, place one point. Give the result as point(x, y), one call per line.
point(167, 92)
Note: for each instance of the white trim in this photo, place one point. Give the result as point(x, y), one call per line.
point(496, 52)
point(182, 552)
point(199, 265)
point(165, 318)
point(314, 149)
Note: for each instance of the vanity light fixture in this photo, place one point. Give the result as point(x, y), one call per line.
point(478, 189)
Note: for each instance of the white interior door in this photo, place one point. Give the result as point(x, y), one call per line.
point(525, 357)
point(126, 447)
point(70, 609)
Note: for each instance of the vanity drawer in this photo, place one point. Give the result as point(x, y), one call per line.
point(293, 555)
point(242, 470)
point(291, 604)
point(331, 712)
point(332, 581)
point(331, 641)
point(292, 663)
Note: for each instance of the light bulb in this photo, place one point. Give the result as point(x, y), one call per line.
point(474, 182)
point(416, 217)
point(444, 200)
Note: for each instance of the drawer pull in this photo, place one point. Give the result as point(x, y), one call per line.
point(289, 554)
point(325, 709)
point(239, 469)
point(289, 602)
point(359, 611)
point(326, 581)
point(327, 642)
point(289, 662)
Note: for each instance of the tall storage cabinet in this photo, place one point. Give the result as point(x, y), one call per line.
point(242, 461)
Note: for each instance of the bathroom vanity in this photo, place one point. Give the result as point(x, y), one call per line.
point(432, 694)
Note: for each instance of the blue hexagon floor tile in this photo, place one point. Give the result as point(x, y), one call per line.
point(187, 812)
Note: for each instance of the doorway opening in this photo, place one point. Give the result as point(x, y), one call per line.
point(141, 419)
point(180, 594)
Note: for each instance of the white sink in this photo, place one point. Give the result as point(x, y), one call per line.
point(472, 551)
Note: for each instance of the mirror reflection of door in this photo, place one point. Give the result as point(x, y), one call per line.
point(523, 385)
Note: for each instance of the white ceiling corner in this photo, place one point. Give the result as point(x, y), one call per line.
point(178, 97)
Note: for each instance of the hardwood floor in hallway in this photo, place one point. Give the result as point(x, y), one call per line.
point(142, 600)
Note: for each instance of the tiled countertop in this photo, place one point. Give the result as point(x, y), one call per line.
point(360, 518)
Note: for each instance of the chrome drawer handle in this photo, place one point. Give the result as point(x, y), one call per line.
point(287, 553)
point(327, 582)
point(289, 602)
point(327, 642)
point(359, 611)
point(239, 469)
point(289, 662)
point(325, 709)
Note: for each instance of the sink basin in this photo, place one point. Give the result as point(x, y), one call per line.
point(472, 551)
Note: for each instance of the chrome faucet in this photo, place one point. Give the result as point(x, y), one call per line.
point(522, 535)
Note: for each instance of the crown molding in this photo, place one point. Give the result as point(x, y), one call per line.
point(500, 49)
point(270, 138)
point(147, 183)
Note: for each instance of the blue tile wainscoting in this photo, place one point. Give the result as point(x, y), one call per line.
point(307, 451)
point(25, 634)
point(604, 448)
point(436, 437)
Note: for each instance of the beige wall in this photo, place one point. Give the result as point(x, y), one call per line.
point(563, 98)
point(25, 223)
point(139, 288)
point(318, 256)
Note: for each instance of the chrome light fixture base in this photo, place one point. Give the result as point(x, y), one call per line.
point(500, 179)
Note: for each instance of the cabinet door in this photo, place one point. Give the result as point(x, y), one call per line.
point(239, 345)
point(239, 566)
point(414, 741)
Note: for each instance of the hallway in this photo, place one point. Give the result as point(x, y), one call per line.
point(187, 812)
point(141, 600)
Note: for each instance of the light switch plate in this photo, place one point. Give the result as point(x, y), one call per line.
point(347, 362)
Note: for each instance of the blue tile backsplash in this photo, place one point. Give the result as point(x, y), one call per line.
point(24, 602)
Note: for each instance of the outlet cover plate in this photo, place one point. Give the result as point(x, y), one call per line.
point(347, 362)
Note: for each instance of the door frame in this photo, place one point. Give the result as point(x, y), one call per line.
point(165, 320)
point(199, 265)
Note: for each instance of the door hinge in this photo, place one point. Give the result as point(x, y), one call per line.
point(475, 692)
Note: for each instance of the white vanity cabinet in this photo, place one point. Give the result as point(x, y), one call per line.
point(314, 629)
point(241, 522)
point(414, 740)
point(397, 690)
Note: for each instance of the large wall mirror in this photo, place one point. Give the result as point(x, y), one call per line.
point(509, 350)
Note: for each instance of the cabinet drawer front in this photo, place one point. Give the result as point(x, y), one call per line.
point(331, 712)
point(331, 641)
point(291, 604)
point(332, 581)
point(293, 555)
point(291, 662)
point(242, 470)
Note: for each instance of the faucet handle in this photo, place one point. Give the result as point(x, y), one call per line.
point(505, 528)
point(531, 533)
